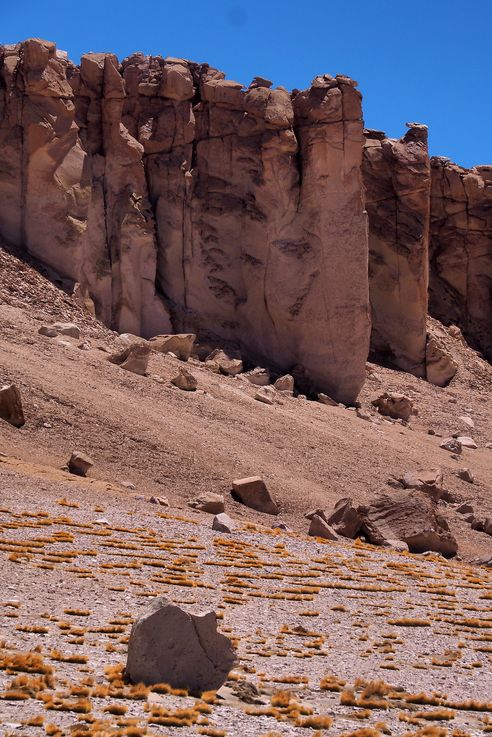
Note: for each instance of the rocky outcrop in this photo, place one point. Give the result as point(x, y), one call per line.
point(182, 202)
point(460, 288)
point(397, 181)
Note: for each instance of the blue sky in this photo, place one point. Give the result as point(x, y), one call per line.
point(415, 61)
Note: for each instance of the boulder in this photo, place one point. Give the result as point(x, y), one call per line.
point(396, 406)
point(285, 384)
point(11, 405)
point(67, 328)
point(427, 481)
point(258, 377)
point(409, 517)
point(252, 492)
point(171, 645)
point(223, 523)
point(345, 519)
point(185, 380)
point(320, 528)
point(79, 463)
point(222, 363)
point(180, 344)
point(134, 358)
point(452, 445)
point(210, 502)
point(439, 363)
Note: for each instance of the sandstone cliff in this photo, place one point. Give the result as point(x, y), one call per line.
point(182, 201)
point(397, 181)
point(461, 250)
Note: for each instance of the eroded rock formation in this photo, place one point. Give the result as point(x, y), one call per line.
point(181, 201)
point(461, 250)
point(397, 181)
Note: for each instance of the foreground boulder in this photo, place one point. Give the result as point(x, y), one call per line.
point(11, 405)
point(345, 519)
point(180, 344)
point(134, 358)
point(223, 523)
point(79, 463)
point(396, 406)
point(411, 518)
point(253, 492)
point(170, 645)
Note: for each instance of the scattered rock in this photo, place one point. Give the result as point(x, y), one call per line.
point(428, 481)
point(409, 517)
point(466, 475)
point(452, 445)
point(134, 358)
point(85, 346)
point(396, 406)
point(345, 519)
point(252, 492)
point(219, 361)
point(67, 328)
point(281, 526)
point(11, 405)
point(161, 500)
point(211, 503)
point(79, 463)
point(467, 421)
point(440, 364)
point(325, 399)
point(48, 331)
point(466, 441)
point(258, 377)
point(185, 380)
point(181, 344)
point(223, 523)
point(397, 545)
point(285, 384)
point(319, 512)
point(265, 397)
point(465, 508)
point(320, 528)
point(128, 485)
point(170, 645)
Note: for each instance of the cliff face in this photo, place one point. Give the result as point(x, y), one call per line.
point(181, 201)
point(461, 250)
point(397, 180)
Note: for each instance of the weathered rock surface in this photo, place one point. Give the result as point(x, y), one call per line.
point(460, 282)
point(185, 380)
point(397, 180)
point(134, 358)
point(135, 179)
point(79, 463)
point(408, 517)
point(252, 492)
point(170, 645)
point(11, 405)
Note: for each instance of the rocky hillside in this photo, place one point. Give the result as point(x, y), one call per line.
point(180, 201)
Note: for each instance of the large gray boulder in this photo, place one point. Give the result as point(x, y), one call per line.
point(170, 645)
point(11, 405)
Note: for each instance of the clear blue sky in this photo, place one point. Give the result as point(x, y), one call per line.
point(427, 61)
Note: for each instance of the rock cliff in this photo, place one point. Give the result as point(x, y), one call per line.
point(460, 290)
point(179, 200)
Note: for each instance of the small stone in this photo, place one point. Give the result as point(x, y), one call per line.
point(466, 441)
point(320, 528)
point(220, 362)
point(185, 380)
point(134, 358)
point(396, 406)
point(211, 503)
point(48, 331)
point(467, 421)
point(85, 346)
point(466, 475)
point(223, 523)
point(325, 399)
point(79, 463)
point(285, 384)
point(264, 396)
point(452, 445)
point(101, 521)
point(465, 508)
point(258, 377)
point(161, 500)
point(67, 328)
point(128, 485)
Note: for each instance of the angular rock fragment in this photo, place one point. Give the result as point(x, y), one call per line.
point(79, 463)
point(452, 445)
point(48, 331)
point(252, 492)
point(134, 358)
point(285, 384)
point(258, 377)
point(320, 528)
point(171, 645)
point(466, 475)
point(427, 481)
point(67, 328)
point(185, 380)
point(396, 406)
point(467, 442)
point(180, 344)
point(345, 519)
point(440, 364)
point(265, 396)
point(223, 523)
point(223, 363)
point(209, 502)
point(11, 405)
